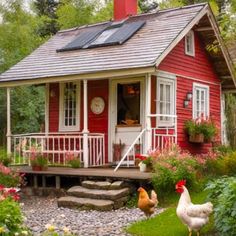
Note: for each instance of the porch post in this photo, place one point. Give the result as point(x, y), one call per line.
point(148, 135)
point(8, 121)
point(46, 108)
point(85, 130)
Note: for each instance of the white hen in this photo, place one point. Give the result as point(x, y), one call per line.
point(195, 216)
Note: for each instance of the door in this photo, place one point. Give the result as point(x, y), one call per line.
point(126, 115)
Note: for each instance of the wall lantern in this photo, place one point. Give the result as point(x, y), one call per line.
point(189, 96)
point(52, 93)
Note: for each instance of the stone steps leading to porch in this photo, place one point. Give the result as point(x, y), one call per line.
point(96, 195)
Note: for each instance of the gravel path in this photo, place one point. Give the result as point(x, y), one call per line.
point(42, 211)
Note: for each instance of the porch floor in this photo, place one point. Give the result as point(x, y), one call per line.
point(122, 173)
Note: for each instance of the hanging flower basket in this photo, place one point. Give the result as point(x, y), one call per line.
point(196, 138)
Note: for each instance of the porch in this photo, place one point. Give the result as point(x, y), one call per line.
point(90, 147)
point(56, 178)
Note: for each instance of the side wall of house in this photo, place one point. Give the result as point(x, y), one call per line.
point(188, 70)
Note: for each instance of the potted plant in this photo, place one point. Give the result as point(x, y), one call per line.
point(38, 162)
point(209, 130)
point(194, 130)
point(73, 160)
point(200, 130)
point(145, 163)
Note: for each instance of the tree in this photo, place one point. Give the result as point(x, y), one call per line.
point(18, 38)
point(46, 10)
point(74, 13)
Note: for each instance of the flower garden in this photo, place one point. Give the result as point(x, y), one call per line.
point(214, 172)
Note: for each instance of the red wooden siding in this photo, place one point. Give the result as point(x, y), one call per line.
point(99, 123)
point(54, 107)
point(200, 68)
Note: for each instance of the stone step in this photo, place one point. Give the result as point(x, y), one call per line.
point(103, 185)
point(85, 203)
point(79, 191)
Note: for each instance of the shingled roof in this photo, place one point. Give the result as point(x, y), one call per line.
point(145, 49)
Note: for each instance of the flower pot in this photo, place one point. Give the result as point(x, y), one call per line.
point(142, 167)
point(37, 168)
point(196, 138)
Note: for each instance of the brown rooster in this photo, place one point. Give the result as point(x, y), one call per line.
point(146, 204)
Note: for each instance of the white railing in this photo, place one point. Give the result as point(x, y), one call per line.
point(161, 137)
point(135, 147)
point(56, 146)
point(165, 134)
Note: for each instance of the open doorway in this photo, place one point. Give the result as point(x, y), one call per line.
point(126, 115)
point(128, 103)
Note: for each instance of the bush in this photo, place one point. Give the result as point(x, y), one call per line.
point(9, 177)
point(170, 166)
point(222, 193)
point(11, 219)
point(4, 158)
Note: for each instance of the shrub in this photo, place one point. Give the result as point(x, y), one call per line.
point(222, 193)
point(10, 178)
point(4, 158)
point(217, 164)
point(171, 165)
point(11, 219)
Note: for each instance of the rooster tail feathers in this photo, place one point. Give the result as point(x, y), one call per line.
point(209, 207)
point(154, 197)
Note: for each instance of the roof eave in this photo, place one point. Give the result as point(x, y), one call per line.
point(86, 76)
point(206, 10)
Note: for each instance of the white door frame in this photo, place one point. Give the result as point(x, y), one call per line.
point(112, 116)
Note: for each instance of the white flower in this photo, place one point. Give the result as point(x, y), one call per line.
point(66, 230)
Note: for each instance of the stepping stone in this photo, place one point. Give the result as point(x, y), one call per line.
point(117, 185)
point(80, 191)
point(85, 203)
point(96, 184)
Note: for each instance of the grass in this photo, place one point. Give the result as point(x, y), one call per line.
point(167, 223)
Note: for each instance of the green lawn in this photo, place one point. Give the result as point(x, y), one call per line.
point(167, 223)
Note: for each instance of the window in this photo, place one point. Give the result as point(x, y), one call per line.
point(104, 36)
point(200, 100)
point(69, 106)
point(165, 100)
point(189, 44)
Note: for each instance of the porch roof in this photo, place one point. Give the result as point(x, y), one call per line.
point(145, 49)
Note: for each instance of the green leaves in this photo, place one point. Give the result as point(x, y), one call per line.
point(222, 192)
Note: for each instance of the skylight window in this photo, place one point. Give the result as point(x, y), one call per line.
point(104, 36)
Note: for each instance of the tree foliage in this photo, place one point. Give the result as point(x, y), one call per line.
point(46, 11)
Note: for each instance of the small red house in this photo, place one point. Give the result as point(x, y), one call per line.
point(122, 87)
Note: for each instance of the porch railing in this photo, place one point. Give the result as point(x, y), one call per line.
point(56, 147)
point(161, 136)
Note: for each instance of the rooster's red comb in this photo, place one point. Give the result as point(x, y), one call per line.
point(181, 182)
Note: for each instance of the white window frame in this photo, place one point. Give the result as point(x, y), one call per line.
point(62, 126)
point(190, 44)
point(170, 79)
point(206, 90)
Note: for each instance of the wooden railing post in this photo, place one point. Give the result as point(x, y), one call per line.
point(8, 121)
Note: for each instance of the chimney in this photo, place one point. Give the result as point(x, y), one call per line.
point(124, 8)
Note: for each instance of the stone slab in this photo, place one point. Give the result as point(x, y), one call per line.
point(82, 192)
point(96, 184)
point(85, 203)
